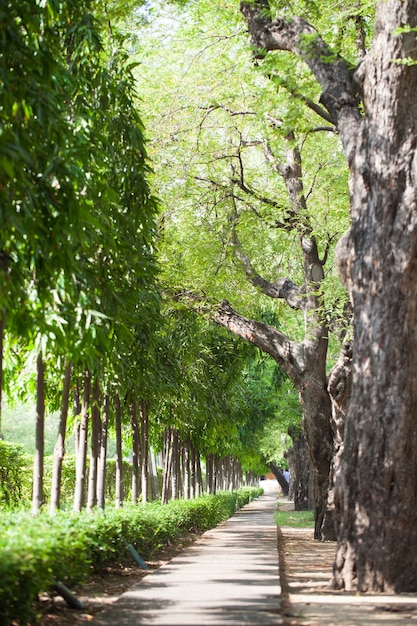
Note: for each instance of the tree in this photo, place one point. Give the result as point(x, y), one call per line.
point(374, 110)
point(77, 214)
point(244, 207)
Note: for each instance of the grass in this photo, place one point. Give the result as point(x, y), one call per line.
point(295, 519)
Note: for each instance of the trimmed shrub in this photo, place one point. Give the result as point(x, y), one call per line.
point(13, 474)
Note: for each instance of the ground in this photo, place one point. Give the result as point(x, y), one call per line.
point(305, 568)
point(100, 591)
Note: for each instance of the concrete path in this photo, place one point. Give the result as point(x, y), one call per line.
point(227, 577)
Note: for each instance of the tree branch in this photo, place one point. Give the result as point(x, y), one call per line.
point(313, 106)
point(283, 289)
point(288, 354)
point(332, 72)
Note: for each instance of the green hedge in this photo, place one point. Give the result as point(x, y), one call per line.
point(15, 476)
point(35, 552)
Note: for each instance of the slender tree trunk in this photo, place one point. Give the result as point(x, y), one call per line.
point(186, 469)
point(2, 330)
point(199, 487)
point(209, 473)
point(168, 449)
point(59, 449)
point(277, 472)
point(76, 411)
point(119, 455)
point(5, 261)
point(101, 478)
point(175, 466)
point(95, 444)
point(219, 474)
point(135, 448)
point(81, 457)
point(144, 432)
point(193, 471)
point(38, 465)
point(154, 475)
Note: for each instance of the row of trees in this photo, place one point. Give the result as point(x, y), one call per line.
point(244, 221)
point(253, 150)
point(84, 320)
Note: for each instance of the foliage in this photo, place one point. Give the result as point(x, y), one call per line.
point(78, 262)
point(13, 470)
point(66, 547)
point(16, 478)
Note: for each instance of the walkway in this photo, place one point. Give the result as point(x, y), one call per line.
point(228, 577)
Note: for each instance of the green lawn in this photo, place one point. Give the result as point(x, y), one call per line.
point(296, 519)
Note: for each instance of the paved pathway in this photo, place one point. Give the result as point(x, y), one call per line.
point(228, 577)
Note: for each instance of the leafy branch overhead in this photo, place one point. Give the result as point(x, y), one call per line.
point(340, 84)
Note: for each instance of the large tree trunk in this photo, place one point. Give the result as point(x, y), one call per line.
point(59, 448)
point(339, 385)
point(305, 364)
point(300, 467)
point(376, 491)
point(38, 464)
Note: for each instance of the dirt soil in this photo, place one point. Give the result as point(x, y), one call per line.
point(309, 600)
point(101, 591)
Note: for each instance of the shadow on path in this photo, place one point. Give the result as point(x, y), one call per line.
point(227, 577)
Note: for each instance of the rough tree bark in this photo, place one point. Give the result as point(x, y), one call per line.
point(376, 493)
point(375, 110)
point(299, 464)
point(304, 363)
